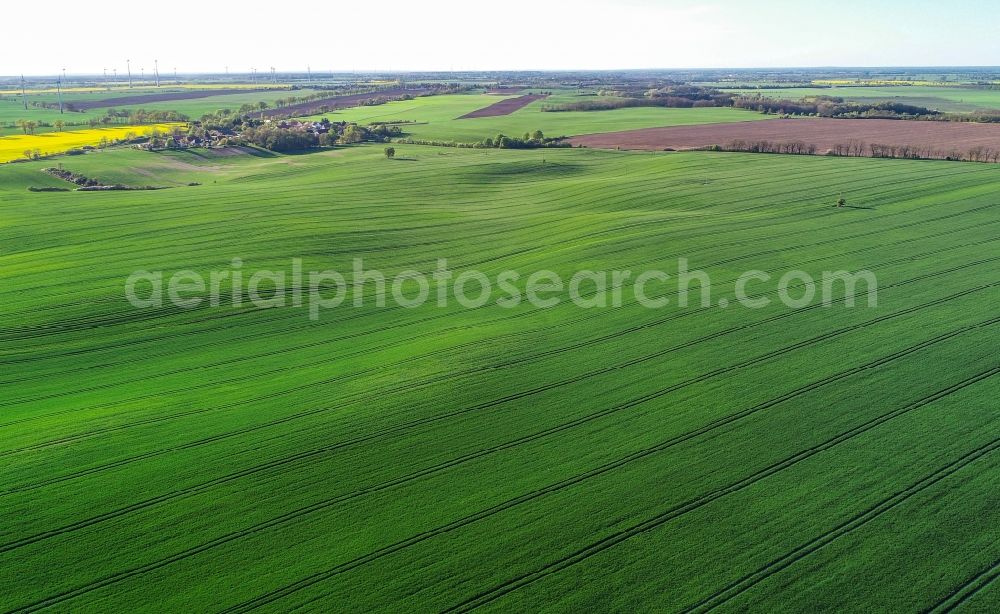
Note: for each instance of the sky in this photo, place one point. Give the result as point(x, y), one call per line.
point(401, 35)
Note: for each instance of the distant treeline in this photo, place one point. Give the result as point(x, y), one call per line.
point(984, 117)
point(909, 152)
point(680, 96)
point(625, 103)
point(127, 117)
point(533, 140)
point(820, 107)
point(761, 146)
point(826, 106)
point(692, 96)
point(778, 86)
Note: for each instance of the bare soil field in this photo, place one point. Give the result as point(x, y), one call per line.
point(340, 102)
point(505, 107)
point(128, 101)
point(940, 139)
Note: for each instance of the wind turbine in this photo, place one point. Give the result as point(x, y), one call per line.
point(24, 97)
point(59, 93)
point(156, 71)
point(128, 67)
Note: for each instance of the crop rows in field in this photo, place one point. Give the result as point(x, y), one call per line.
point(443, 458)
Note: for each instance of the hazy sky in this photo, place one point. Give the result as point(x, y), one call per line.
point(206, 36)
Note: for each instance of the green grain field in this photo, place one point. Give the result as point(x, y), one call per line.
point(619, 458)
point(434, 118)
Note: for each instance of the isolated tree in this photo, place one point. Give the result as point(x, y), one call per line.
point(390, 152)
point(537, 135)
point(23, 125)
point(841, 201)
point(59, 125)
point(31, 126)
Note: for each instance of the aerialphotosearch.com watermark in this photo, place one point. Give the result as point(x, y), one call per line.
point(317, 291)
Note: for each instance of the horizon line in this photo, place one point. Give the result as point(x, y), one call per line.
point(390, 71)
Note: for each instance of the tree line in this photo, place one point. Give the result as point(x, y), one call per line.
point(861, 149)
point(136, 117)
point(693, 96)
point(827, 106)
point(532, 140)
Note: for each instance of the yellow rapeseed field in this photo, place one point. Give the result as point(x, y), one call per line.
point(14, 147)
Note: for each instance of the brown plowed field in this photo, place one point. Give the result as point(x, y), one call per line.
point(505, 107)
point(139, 99)
point(941, 138)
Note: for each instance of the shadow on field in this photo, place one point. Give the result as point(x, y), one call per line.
point(214, 154)
point(297, 152)
point(258, 152)
point(520, 170)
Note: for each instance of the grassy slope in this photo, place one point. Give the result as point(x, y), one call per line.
point(437, 118)
point(419, 459)
point(942, 98)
